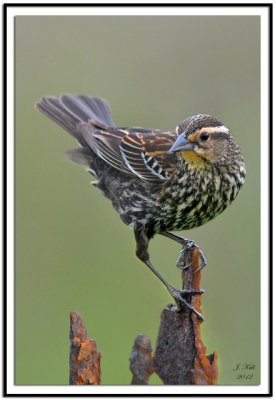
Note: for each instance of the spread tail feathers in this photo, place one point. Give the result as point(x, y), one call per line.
point(68, 111)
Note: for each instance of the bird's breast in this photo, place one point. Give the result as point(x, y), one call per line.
point(191, 199)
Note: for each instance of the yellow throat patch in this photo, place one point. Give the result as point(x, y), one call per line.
point(192, 158)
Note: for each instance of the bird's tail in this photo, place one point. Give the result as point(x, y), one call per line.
point(69, 111)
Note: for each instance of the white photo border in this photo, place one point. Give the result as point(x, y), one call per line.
point(12, 10)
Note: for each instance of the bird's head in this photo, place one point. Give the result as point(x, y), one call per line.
point(202, 138)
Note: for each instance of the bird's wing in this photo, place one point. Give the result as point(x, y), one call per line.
point(136, 151)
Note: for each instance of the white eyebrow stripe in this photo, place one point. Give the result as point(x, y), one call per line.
point(223, 128)
point(220, 128)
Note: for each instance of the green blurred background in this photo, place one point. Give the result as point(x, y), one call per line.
point(72, 250)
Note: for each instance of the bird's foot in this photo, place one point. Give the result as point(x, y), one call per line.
point(181, 302)
point(202, 262)
point(187, 246)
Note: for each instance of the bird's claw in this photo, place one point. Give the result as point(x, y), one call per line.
point(181, 302)
point(192, 291)
point(181, 266)
point(202, 262)
point(187, 245)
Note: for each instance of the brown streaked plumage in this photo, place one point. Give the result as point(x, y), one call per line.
point(157, 181)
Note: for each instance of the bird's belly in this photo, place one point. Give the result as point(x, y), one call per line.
point(187, 204)
point(174, 213)
point(189, 214)
point(191, 209)
point(175, 207)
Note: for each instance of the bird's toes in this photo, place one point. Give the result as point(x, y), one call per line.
point(181, 302)
point(191, 291)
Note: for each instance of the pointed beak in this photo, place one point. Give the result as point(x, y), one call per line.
point(182, 144)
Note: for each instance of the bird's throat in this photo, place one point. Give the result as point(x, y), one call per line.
point(192, 158)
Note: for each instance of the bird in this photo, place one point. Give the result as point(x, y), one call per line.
point(158, 181)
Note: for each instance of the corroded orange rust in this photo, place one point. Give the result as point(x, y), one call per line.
point(88, 346)
point(85, 360)
point(205, 371)
point(196, 300)
point(89, 369)
point(76, 341)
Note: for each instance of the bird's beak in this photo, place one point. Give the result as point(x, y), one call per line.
point(182, 144)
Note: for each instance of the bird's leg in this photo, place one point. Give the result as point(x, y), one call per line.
point(142, 243)
point(187, 244)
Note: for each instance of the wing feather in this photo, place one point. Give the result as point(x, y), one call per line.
point(137, 151)
point(146, 153)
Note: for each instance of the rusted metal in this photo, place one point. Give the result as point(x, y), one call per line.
point(85, 360)
point(141, 362)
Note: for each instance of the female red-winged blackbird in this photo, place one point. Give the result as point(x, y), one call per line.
point(157, 181)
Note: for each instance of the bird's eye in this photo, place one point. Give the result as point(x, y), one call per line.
point(204, 136)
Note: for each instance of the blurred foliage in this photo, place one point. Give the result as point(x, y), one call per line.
point(72, 250)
